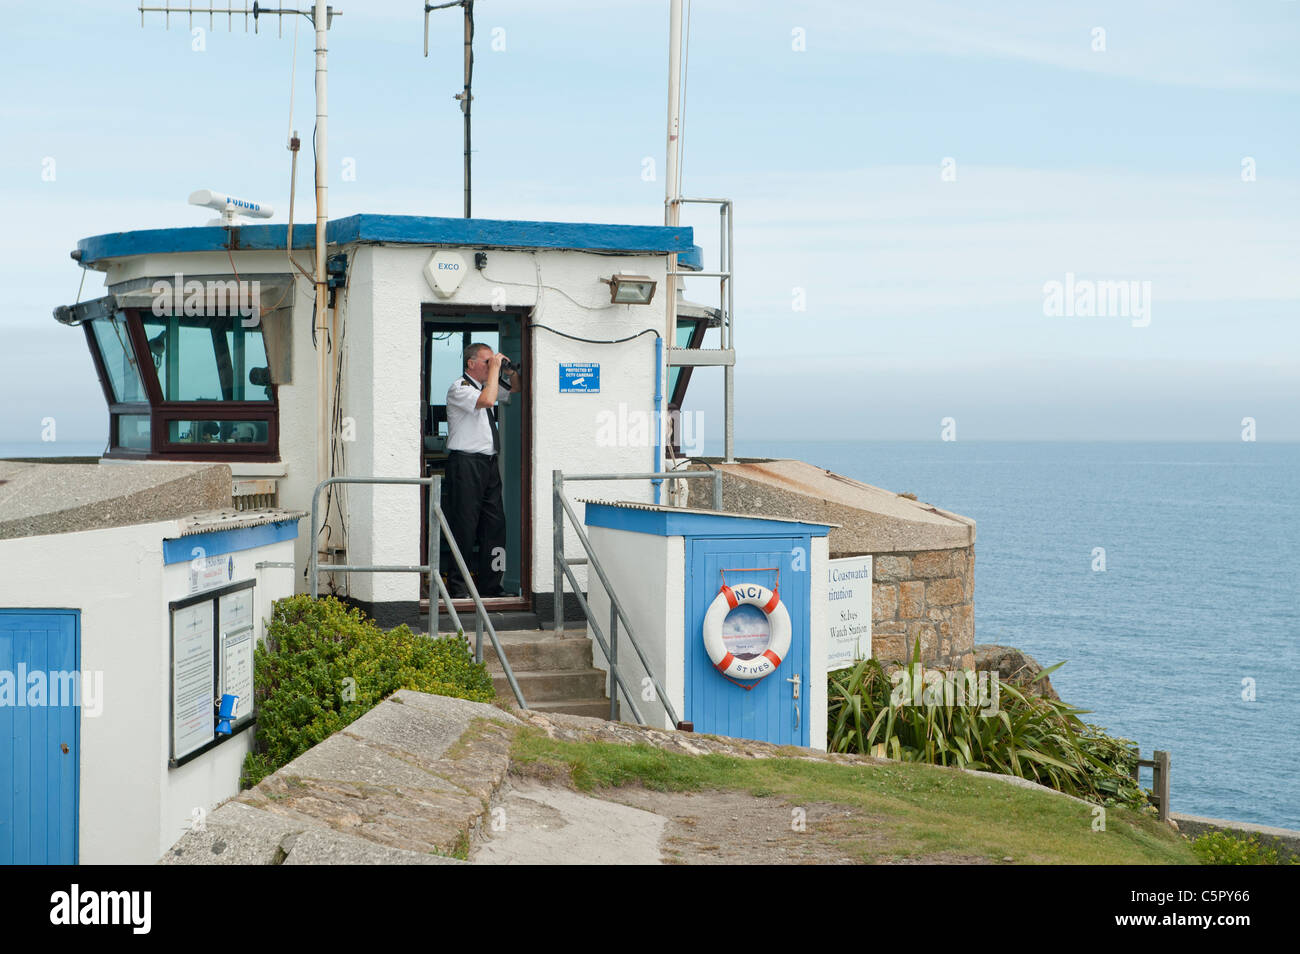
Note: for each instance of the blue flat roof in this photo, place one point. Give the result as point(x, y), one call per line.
point(678, 522)
point(403, 230)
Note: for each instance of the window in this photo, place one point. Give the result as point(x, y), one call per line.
point(113, 338)
point(217, 432)
point(186, 387)
point(208, 358)
point(131, 431)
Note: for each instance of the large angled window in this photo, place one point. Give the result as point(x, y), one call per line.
point(185, 387)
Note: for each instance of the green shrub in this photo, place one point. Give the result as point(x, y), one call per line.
point(1028, 736)
point(324, 665)
point(1231, 848)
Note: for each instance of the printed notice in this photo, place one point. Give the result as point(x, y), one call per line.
point(235, 610)
point(848, 612)
point(192, 678)
point(237, 670)
point(209, 572)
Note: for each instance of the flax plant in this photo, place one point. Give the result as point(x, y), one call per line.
point(911, 718)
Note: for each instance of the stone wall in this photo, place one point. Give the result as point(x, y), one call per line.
point(923, 557)
point(927, 595)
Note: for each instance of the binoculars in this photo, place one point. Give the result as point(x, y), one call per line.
point(506, 367)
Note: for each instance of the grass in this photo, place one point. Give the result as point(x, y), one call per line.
point(900, 810)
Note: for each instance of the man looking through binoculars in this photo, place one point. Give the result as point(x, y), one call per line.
point(475, 512)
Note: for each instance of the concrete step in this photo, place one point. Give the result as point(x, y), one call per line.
point(538, 650)
point(592, 708)
point(554, 685)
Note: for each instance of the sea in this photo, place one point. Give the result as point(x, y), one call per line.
point(1165, 575)
point(1186, 638)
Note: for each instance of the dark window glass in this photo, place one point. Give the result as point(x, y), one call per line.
point(218, 432)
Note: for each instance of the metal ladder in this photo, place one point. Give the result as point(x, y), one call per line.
point(725, 356)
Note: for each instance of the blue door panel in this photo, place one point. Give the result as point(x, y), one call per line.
point(38, 780)
point(715, 705)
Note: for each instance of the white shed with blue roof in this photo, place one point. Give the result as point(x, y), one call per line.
point(668, 567)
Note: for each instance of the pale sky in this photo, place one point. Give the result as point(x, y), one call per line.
point(875, 295)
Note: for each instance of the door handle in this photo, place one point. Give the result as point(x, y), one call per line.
point(794, 689)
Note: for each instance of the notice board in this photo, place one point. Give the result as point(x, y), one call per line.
point(212, 641)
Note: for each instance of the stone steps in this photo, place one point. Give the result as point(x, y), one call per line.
point(554, 673)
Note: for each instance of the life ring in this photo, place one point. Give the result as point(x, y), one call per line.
point(778, 619)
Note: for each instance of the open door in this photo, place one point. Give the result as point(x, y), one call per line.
point(445, 333)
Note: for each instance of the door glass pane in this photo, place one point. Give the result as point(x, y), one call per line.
point(119, 359)
point(445, 367)
point(208, 358)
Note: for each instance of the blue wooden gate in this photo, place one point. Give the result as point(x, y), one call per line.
point(39, 744)
point(769, 712)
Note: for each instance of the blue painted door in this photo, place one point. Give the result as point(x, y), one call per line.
point(39, 743)
point(769, 712)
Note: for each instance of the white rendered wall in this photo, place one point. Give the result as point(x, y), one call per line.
point(819, 644)
point(382, 385)
point(648, 573)
point(131, 806)
point(381, 388)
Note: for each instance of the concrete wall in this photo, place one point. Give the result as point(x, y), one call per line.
point(648, 573)
point(132, 806)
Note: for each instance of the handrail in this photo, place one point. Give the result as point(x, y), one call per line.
point(725, 275)
point(562, 509)
point(437, 589)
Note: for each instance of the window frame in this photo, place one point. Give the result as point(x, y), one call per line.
point(161, 413)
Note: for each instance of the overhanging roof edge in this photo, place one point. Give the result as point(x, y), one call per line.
point(402, 230)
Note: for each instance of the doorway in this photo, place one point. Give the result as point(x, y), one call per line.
point(445, 333)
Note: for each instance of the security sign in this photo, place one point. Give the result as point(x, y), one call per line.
point(580, 378)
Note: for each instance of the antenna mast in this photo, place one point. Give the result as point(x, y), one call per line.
point(464, 95)
point(321, 15)
point(672, 208)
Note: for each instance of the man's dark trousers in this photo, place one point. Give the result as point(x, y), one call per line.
point(476, 515)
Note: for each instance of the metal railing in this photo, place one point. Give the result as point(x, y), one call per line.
point(564, 568)
point(437, 590)
point(726, 354)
